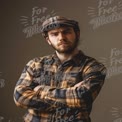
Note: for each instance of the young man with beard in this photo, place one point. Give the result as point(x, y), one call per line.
point(60, 87)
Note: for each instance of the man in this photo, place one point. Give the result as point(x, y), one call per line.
point(60, 87)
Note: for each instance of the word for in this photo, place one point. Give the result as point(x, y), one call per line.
point(37, 11)
point(102, 7)
point(104, 2)
point(115, 52)
point(60, 111)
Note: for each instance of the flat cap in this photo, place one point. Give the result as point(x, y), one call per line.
point(58, 21)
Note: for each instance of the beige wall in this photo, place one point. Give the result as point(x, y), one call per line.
point(101, 36)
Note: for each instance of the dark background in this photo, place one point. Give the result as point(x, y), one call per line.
point(16, 50)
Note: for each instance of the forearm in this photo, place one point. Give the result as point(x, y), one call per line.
point(80, 95)
point(28, 98)
point(71, 97)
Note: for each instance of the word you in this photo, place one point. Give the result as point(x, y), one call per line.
point(2, 81)
point(113, 62)
point(107, 11)
point(117, 113)
point(32, 24)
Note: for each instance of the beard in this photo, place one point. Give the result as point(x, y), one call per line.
point(68, 47)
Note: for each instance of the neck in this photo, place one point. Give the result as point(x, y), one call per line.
point(65, 56)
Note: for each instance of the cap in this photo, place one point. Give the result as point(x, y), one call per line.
point(58, 21)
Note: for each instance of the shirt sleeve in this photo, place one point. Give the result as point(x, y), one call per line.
point(24, 94)
point(81, 94)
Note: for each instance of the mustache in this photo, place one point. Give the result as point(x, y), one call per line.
point(63, 42)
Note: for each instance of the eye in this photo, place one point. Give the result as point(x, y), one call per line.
point(54, 34)
point(68, 31)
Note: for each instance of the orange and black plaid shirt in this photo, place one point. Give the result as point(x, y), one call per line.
point(59, 92)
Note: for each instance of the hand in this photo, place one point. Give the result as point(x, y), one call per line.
point(83, 84)
point(78, 84)
point(37, 88)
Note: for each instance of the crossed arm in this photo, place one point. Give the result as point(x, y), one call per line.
point(28, 94)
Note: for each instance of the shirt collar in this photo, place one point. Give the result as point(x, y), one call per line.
point(76, 59)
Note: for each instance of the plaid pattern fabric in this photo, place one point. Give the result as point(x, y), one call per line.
point(59, 92)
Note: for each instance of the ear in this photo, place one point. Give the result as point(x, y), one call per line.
point(48, 40)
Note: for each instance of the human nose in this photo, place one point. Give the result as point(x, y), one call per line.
point(61, 36)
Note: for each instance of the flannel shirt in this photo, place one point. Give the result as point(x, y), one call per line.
point(59, 92)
